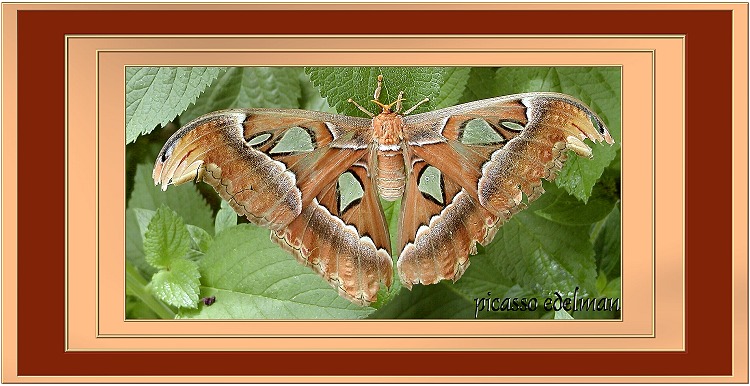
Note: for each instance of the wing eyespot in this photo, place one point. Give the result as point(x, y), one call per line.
point(512, 125)
point(350, 191)
point(258, 139)
point(295, 140)
point(430, 183)
point(478, 131)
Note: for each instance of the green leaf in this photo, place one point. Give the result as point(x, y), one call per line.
point(134, 231)
point(143, 218)
point(178, 285)
point(311, 98)
point(391, 209)
point(443, 85)
point(484, 280)
point(166, 239)
point(562, 314)
point(608, 296)
point(252, 278)
point(559, 206)
point(599, 88)
point(544, 256)
point(156, 95)
point(615, 164)
point(244, 87)
point(607, 245)
point(601, 282)
point(140, 303)
point(613, 289)
point(137, 309)
point(481, 85)
point(201, 240)
point(226, 217)
point(482, 277)
point(436, 301)
point(579, 175)
point(144, 151)
point(184, 199)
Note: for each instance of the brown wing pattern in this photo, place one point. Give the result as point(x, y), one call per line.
point(349, 246)
point(493, 172)
point(433, 232)
point(245, 156)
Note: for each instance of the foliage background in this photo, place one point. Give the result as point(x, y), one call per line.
point(184, 244)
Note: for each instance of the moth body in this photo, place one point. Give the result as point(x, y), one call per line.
point(388, 134)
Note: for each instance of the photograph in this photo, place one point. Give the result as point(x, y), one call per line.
point(373, 192)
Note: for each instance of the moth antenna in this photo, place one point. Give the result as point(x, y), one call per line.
point(415, 106)
point(362, 109)
point(376, 96)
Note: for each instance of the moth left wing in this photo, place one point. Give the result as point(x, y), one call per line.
point(276, 167)
point(490, 154)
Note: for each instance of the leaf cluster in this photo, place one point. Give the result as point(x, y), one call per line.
point(185, 244)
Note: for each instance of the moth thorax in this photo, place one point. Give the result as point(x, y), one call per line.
point(388, 128)
point(391, 178)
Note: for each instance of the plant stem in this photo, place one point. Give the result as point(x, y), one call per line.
point(136, 285)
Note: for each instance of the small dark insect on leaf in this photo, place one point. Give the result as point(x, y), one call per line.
point(209, 300)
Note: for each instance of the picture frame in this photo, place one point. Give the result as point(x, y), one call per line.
point(63, 295)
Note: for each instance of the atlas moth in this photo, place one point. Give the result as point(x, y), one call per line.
point(315, 178)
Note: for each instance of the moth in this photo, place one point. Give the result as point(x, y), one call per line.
point(315, 178)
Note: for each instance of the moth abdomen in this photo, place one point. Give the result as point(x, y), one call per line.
point(391, 178)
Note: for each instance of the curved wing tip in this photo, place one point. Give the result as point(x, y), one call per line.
point(608, 137)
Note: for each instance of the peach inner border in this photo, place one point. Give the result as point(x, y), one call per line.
point(651, 320)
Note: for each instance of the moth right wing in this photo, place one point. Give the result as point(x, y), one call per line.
point(487, 154)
